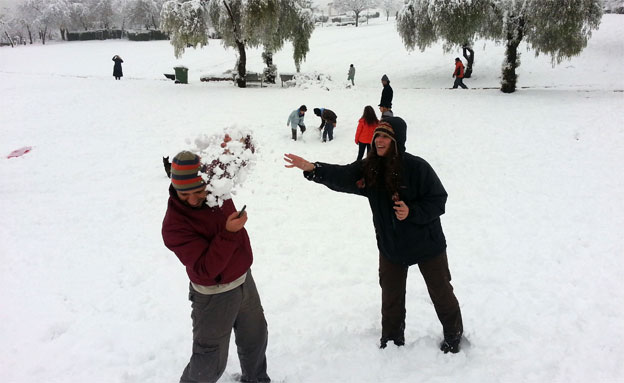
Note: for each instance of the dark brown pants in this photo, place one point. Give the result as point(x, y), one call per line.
point(393, 279)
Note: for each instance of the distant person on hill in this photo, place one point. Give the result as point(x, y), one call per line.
point(351, 74)
point(213, 245)
point(406, 199)
point(117, 72)
point(459, 74)
point(387, 93)
point(364, 133)
point(295, 120)
point(328, 122)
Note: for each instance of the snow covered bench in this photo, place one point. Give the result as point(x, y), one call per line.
point(286, 77)
point(254, 77)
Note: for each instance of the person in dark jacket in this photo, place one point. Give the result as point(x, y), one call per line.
point(407, 199)
point(387, 93)
point(459, 74)
point(213, 245)
point(117, 72)
point(328, 122)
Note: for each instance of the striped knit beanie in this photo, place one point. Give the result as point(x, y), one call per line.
point(385, 129)
point(184, 171)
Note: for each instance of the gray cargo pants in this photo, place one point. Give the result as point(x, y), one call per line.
point(214, 317)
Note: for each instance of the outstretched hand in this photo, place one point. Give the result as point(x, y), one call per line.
point(294, 161)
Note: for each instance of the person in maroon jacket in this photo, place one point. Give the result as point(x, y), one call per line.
point(214, 246)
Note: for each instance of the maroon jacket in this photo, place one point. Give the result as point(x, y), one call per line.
point(211, 254)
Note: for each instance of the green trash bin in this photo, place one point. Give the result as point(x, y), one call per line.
point(181, 74)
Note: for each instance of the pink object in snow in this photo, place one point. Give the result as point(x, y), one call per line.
point(19, 152)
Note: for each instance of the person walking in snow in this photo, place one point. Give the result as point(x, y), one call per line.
point(407, 199)
point(295, 120)
point(364, 133)
point(117, 72)
point(459, 74)
point(351, 74)
point(387, 93)
point(328, 122)
point(214, 246)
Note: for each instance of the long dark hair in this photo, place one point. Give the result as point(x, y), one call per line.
point(383, 172)
point(369, 115)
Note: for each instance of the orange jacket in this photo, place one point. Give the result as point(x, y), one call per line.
point(364, 132)
point(459, 70)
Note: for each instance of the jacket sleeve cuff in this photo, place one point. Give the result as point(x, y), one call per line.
point(312, 175)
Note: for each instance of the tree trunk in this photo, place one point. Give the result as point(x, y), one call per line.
point(357, 18)
point(512, 61)
point(242, 60)
point(469, 60)
point(29, 34)
point(9, 38)
point(43, 35)
point(242, 63)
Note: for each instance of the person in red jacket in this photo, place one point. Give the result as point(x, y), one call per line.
point(214, 246)
point(459, 74)
point(364, 133)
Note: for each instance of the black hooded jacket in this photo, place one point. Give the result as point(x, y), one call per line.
point(417, 238)
point(386, 94)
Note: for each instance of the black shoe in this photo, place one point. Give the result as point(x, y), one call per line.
point(383, 343)
point(398, 341)
point(450, 344)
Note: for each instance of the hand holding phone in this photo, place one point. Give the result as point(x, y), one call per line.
point(240, 214)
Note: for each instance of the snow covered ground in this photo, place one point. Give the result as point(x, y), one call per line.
point(534, 222)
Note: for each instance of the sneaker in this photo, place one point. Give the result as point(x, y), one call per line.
point(450, 344)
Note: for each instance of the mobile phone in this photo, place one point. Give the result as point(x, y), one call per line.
point(240, 214)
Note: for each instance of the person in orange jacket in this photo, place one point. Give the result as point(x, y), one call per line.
point(364, 133)
point(459, 74)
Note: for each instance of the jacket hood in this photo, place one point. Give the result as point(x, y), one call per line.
point(400, 132)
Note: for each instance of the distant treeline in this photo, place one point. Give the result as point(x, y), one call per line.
point(107, 34)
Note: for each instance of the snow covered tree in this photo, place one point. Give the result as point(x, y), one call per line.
point(355, 6)
point(424, 22)
point(80, 15)
point(241, 24)
point(390, 6)
point(613, 6)
point(6, 28)
point(187, 22)
point(103, 13)
point(41, 15)
point(145, 13)
point(559, 28)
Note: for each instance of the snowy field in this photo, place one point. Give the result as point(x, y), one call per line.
point(534, 222)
